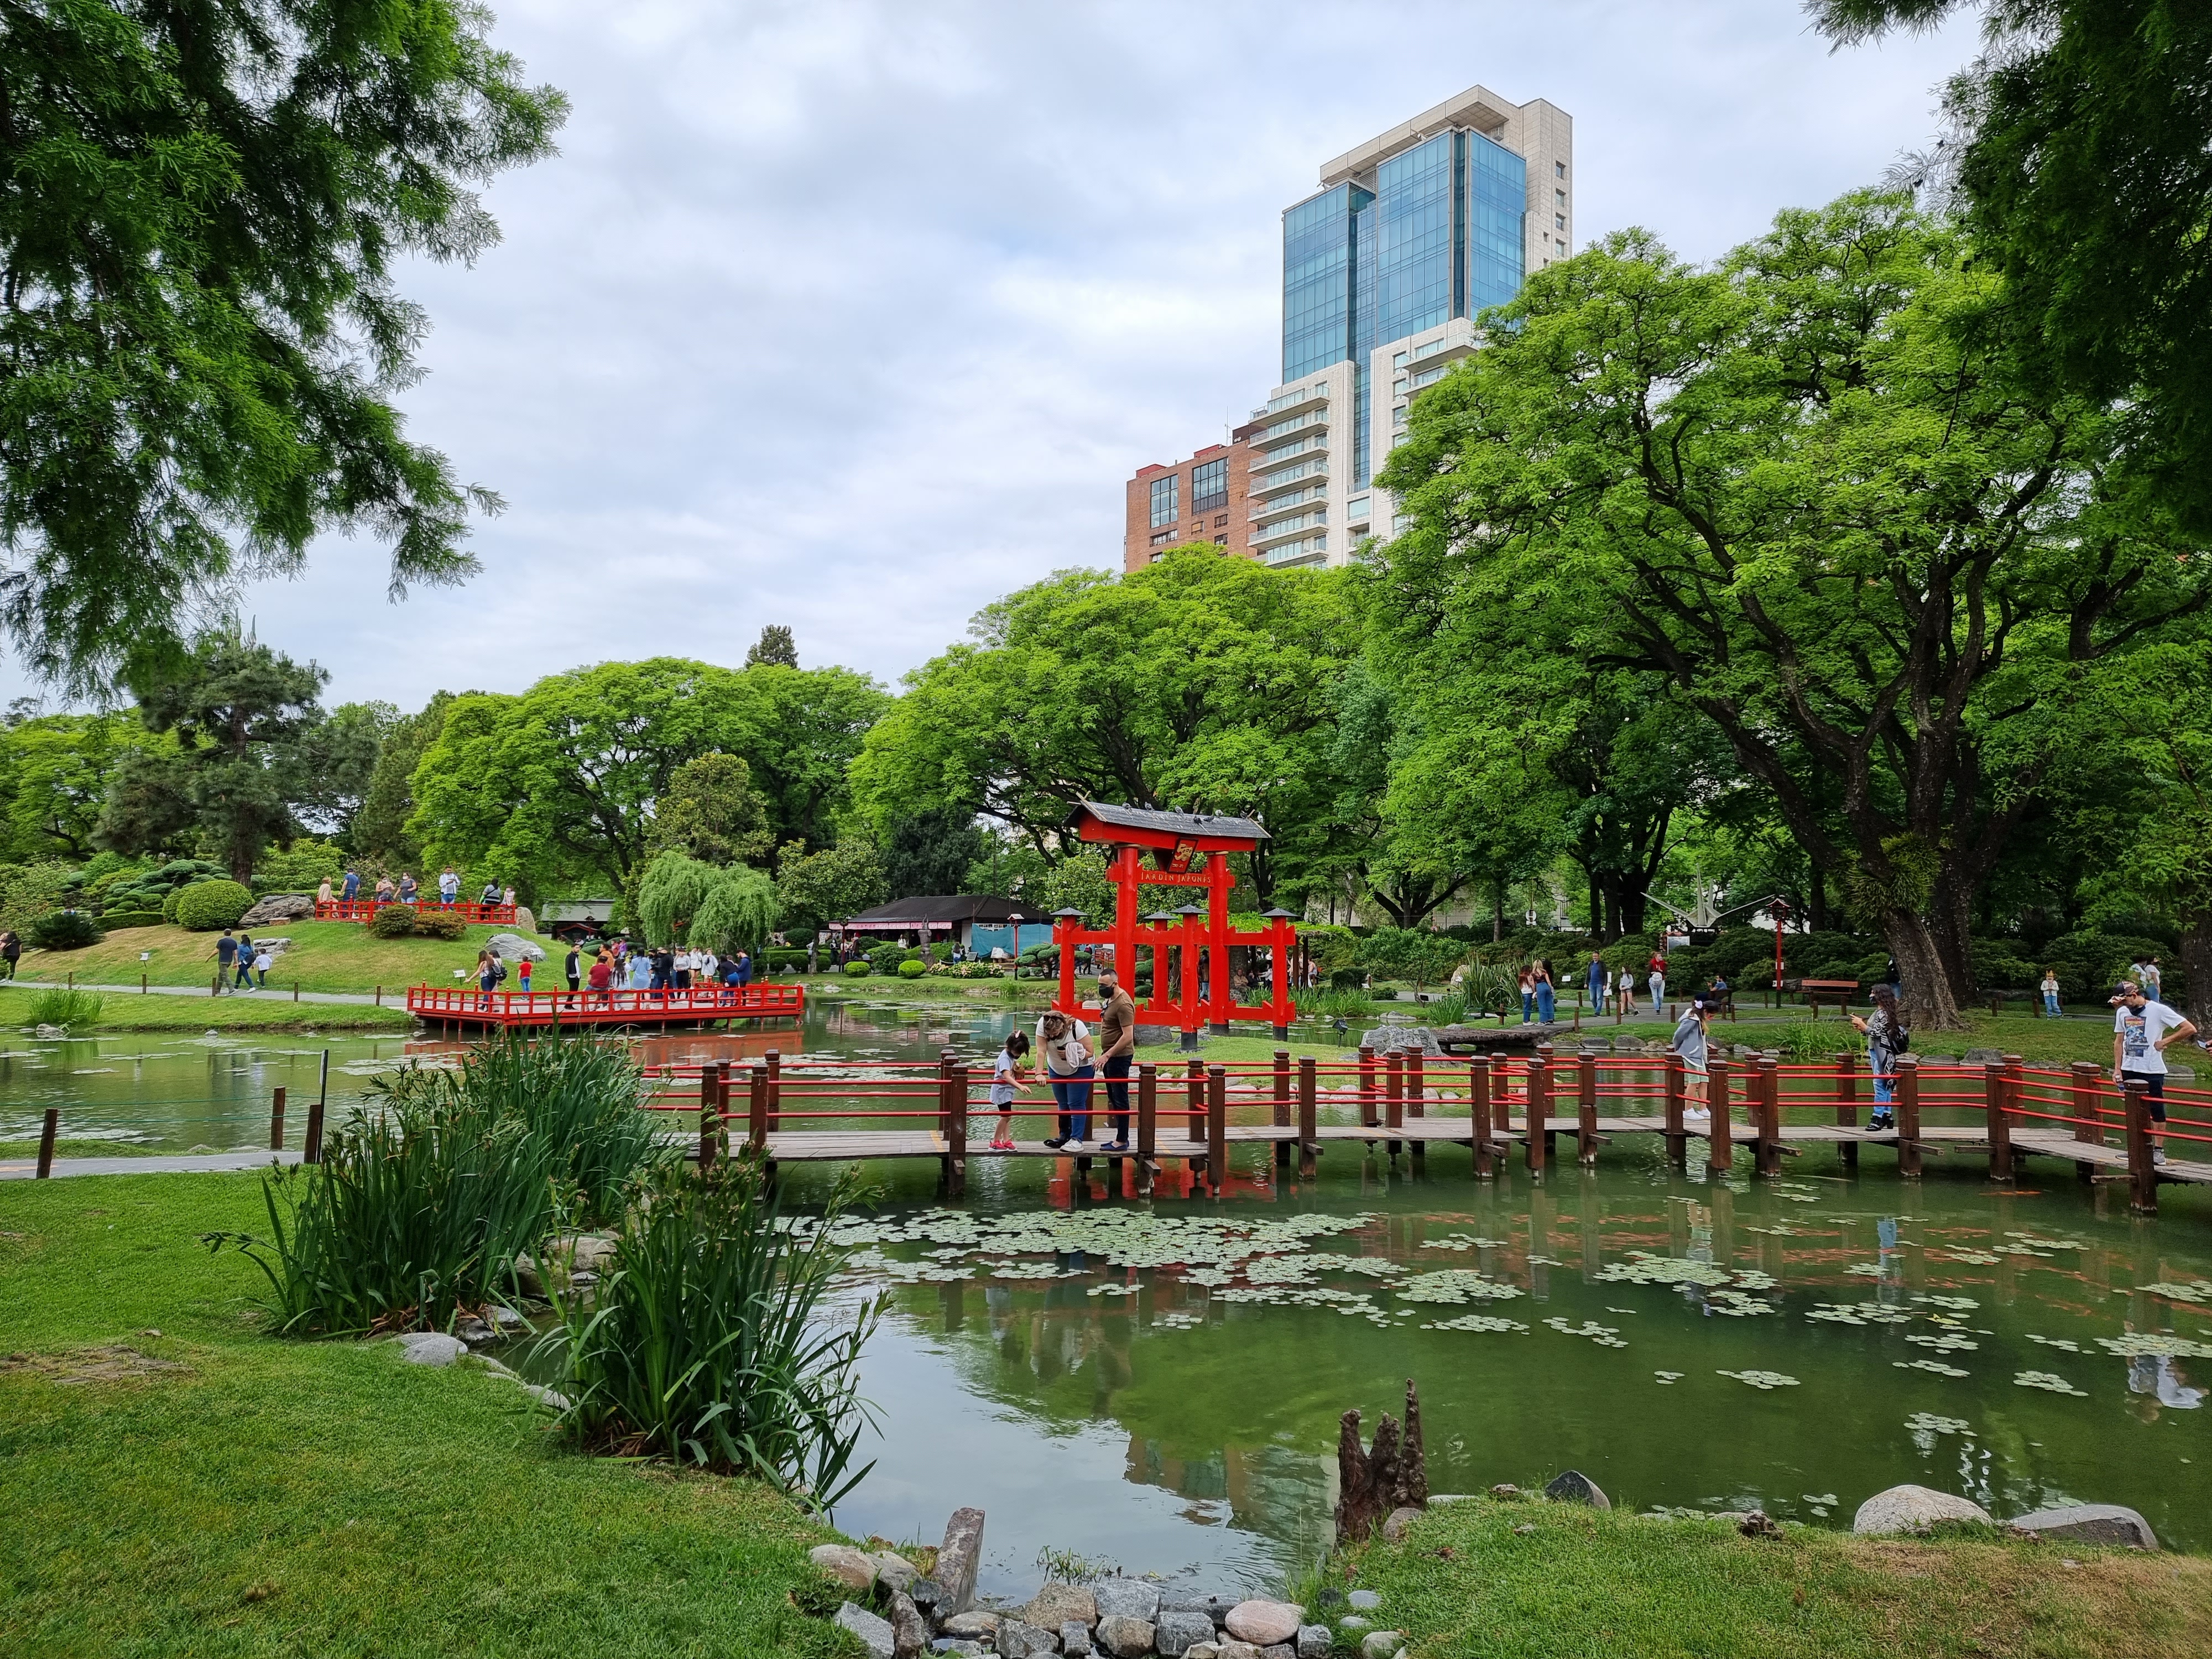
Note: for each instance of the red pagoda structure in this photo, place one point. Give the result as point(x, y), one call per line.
point(1189, 947)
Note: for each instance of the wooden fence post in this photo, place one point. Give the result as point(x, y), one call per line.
point(1366, 1087)
point(2142, 1173)
point(1586, 1110)
point(775, 1075)
point(380, 996)
point(1540, 1113)
point(1905, 1090)
point(1217, 1128)
point(48, 1127)
point(1847, 1105)
point(1477, 1101)
point(1769, 1107)
point(1550, 1087)
point(2088, 1127)
point(756, 1109)
point(955, 1131)
point(1282, 1081)
point(1393, 1092)
point(1720, 1137)
point(277, 1121)
point(1678, 1143)
point(1148, 1121)
point(311, 1148)
point(1309, 1117)
point(1413, 1087)
point(710, 1119)
point(1994, 1084)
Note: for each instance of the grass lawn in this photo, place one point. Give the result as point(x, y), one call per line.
point(123, 1010)
point(1531, 1580)
point(233, 1494)
point(323, 955)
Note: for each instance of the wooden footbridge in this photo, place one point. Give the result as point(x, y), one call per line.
point(2004, 1112)
point(469, 1008)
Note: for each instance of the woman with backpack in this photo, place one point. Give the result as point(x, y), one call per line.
point(1886, 1038)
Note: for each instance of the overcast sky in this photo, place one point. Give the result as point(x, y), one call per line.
point(856, 316)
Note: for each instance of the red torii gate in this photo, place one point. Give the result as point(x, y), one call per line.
point(1188, 849)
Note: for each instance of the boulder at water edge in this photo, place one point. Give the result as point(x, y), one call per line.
point(895, 1570)
point(1909, 1509)
point(1573, 1486)
point(1176, 1632)
point(431, 1348)
point(909, 1632)
point(957, 1559)
point(972, 1624)
point(1124, 1636)
point(1058, 1604)
point(1074, 1636)
point(1128, 1598)
point(1314, 1642)
point(875, 1632)
point(1263, 1623)
point(854, 1569)
point(2113, 1524)
point(1019, 1639)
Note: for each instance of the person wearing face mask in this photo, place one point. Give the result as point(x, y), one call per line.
point(1064, 1043)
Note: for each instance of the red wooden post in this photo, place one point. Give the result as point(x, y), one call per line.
point(1308, 1116)
point(2000, 1127)
point(1218, 1000)
point(1769, 1106)
point(956, 1132)
point(1720, 1138)
point(1477, 1096)
point(1195, 1083)
point(1414, 1087)
point(1678, 1143)
point(1282, 1080)
point(2142, 1172)
point(1394, 1089)
point(1366, 1087)
point(1540, 1113)
point(2088, 1127)
point(1847, 1105)
point(774, 1090)
point(710, 1117)
point(277, 1121)
point(1906, 1090)
point(1543, 1120)
point(1586, 1110)
point(1217, 1128)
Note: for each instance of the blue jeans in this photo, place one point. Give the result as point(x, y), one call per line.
point(1528, 1006)
point(1073, 1094)
point(2050, 1004)
point(1545, 1004)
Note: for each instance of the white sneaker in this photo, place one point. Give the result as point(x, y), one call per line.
point(2157, 1155)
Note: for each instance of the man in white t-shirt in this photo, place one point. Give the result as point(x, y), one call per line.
point(2140, 1030)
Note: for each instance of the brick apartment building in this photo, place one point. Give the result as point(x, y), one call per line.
point(1197, 500)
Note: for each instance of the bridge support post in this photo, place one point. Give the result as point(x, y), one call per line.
point(1768, 1105)
point(1195, 1087)
point(710, 1117)
point(1148, 1122)
point(2087, 1127)
point(1282, 1081)
point(774, 1090)
point(1995, 1084)
point(1394, 1094)
point(2142, 1173)
point(1477, 1101)
point(1309, 1117)
point(1539, 1144)
point(1720, 1138)
point(1678, 1143)
point(1586, 1110)
point(1906, 1090)
point(956, 1130)
point(1847, 1105)
point(1217, 1128)
point(1367, 1087)
point(277, 1121)
point(757, 1124)
point(1543, 1120)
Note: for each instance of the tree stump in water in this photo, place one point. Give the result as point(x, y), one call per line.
point(1391, 1475)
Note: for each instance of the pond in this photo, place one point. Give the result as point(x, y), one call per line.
point(1157, 1384)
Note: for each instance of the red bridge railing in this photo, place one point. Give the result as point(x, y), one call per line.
point(468, 1005)
point(365, 909)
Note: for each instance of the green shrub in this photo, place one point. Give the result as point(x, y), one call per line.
point(393, 922)
point(432, 923)
point(709, 1340)
point(62, 1006)
point(913, 967)
point(169, 906)
point(63, 930)
point(207, 905)
point(885, 958)
point(114, 920)
point(858, 970)
point(299, 868)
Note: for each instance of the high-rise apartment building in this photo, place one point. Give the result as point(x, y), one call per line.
point(1411, 235)
point(1199, 499)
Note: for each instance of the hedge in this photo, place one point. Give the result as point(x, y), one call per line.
point(207, 905)
point(63, 930)
point(393, 922)
point(113, 919)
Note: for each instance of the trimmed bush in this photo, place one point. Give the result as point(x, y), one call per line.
point(115, 919)
point(858, 970)
point(913, 967)
point(207, 905)
point(63, 930)
point(393, 922)
point(440, 924)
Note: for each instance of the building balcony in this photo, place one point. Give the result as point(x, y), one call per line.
point(1310, 396)
point(1304, 525)
point(1313, 549)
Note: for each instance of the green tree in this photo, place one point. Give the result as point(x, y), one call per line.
point(203, 211)
point(776, 645)
point(559, 784)
point(238, 711)
point(709, 812)
point(55, 774)
point(930, 852)
point(380, 828)
point(334, 765)
point(2077, 158)
point(815, 888)
point(1805, 490)
point(1197, 682)
point(682, 900)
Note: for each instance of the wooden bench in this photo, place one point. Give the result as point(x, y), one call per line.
point(1841, 992)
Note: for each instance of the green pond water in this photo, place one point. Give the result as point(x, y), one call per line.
point(1157, 1382)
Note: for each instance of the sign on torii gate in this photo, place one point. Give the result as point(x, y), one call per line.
point(1187, 849)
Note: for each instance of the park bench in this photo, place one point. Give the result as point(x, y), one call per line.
point(1841, 992)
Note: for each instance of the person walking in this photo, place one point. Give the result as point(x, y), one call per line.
point(571, 967)
point(1886, 1038)
point(1623, 991)
point(1007, 1077)
point(449, 887)
point(522, 975)
point(1690, 1041)
point(323, 893)
point(1597, 977)
point(352, 889)
point(11, 952)
point(262, 962)
point(2142, 1028)
point(1546, 995)
point(245, 960)
point(745, 967)
point(1528, 995)
point(488, 972)
point(1117, 1048)
point(2152, 979)
point(1657, 983)
point(2051, 994)
point(226, 958)
point(1064, 1044)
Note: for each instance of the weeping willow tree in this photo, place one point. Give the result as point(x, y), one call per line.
point(684, 901)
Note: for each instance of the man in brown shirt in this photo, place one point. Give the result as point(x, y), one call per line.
point(1117, 1047)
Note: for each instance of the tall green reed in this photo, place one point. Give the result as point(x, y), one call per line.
point(710, 1338)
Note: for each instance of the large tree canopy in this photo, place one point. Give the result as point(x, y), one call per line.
point(1804, 490)
point(1198, 682)
point(203, 206)
point(2080, 159)
point(55, 772)
point(560, 785)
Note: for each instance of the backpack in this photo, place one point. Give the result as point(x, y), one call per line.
point(498, 970)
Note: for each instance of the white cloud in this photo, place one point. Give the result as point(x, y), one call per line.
point(855, 316)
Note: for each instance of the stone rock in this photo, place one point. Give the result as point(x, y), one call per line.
point(279, 907)
point(956, 1559)
point(1363, 1601)
point(1353, 1623)
point(1178, 1630)
point(909, 1631)
point(1058, 1604)
point(973, 1623)
point(1395, 1522)
point(1983, 1057)
point(854, 1568)
point(1074, 1636)
point(431, 1348)
point(1575, 1487)
point(1202, 1651)
point(525, 920)
point(1279, 1650)
point(1263, 1623)
point(1017, 1640)
point(474, 1332)
point(955, 1644)
point(548, 1397)
point(1126, 1598)
point(896, 1570)
point(1758, 1523)
point(2092, 1523)
point(1314, 1642)
point(1909, 1508)
point(1124, 1636)
point(1382, 1644)
point(1233, 1649)
point(1504, 1491)
point(874, 1631)
point(515, 947)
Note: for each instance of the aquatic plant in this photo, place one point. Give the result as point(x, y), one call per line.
point(60, 1007)
point(710, 1339)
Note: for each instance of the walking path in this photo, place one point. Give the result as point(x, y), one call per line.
point(26, 1169)
point(260, 993)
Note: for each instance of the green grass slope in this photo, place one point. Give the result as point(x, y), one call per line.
point(323, 955)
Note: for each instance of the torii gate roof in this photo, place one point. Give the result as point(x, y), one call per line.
point(1139, 826)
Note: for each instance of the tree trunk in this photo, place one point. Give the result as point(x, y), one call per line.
point(1928, 1002)
point(2196, 967)
point(1951, 924)
point(1497, 910)
point(1816, 909)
